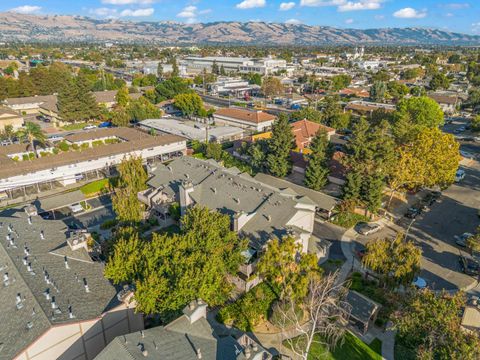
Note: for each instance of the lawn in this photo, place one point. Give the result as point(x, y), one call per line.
point(352, 349)
point(347, 219)
point(95, 187)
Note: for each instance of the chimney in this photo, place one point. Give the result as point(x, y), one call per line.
point(195, 310)
point(6, 279)
point(54, 304)
point(85, 284)
point(66, 263)
point(9, 228)
point(29, 220)
point(25, 260)
point(240, 219)
point(185, 200)
point(29, 267)
point(18, 301)
point(42, 235)
point(199, 353)
point(47, 294)
point(26, 251)
point(46, 276)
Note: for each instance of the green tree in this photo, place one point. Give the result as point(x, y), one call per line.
point(285, 265)
point(397, 90)
point(430, 325)
point(120, 117)
point(475, 123)
point(372, 192)
point(196, 263)
point(439, 81)
point(308, 113)
point(257, 155)
point(397, 260)
point(421, 112)
point(175, 70)
point(411, 74)
point(168, 89)
point(332, 110)
point(340, 82)
point(32, 133)
point(122, 98)
point(352, 188)
point(190, 104)
point(214, 151)
point(159, 70)
point(279, 146)
point(132, 179)
point(378, 91)
point(141, 109)
point(76, 102)
point(8, 133)
point(215, 68)
point(316, 172)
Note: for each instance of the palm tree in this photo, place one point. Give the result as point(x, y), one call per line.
point(32, 132)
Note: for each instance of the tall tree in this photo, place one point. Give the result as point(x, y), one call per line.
point(159, 69)
point(316, 172)
point(280, 144)
point(272, 86)
point(32, 133)
point(190, 104)
point(430, 325)
point(196, 263)
point(175, 69)
point(141, 109)
point(122, 97)
point(378, 91)
point(397, 260)
point(284, 264)
point(76, 102)
point(132, 179)
point(421, 111)
point(439, 81)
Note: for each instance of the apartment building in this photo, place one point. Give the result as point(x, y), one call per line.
point(258, 211)
point(264, 66)
point(55, 302)
point(253, 120)
point(92, 151)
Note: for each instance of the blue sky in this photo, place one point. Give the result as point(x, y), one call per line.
point(461, 16)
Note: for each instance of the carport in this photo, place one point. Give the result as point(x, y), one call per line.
point(55, 202)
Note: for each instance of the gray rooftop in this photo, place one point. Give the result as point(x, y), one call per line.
point(188, 129)
point(362, 308)
point(27, 318)
point(231, 192)
point(321, 200)
point(60, 200)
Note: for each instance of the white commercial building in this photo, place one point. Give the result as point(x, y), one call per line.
point(264, 66)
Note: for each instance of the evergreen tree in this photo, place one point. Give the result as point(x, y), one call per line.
point(159, 70)
point(122, 98)
point(372, 192)
point(378, 91)
point(76, 102)
point(215, 69)
point(120, 117)
point(222, 71)
point(175, 70)
point(279, 147)
point(352, 188)
point(317, 170)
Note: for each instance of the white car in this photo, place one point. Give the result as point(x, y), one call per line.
point(460, 175)
point(76, 208)
point(90, 127)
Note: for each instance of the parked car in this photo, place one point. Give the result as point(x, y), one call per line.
point(469, 266)
point(368, 229)
point(419, 283)
point(461, 240)
point(466, 154)
point(429, 199)
point(90, 127)
point(105, 124)
point(76, 208)
point(46, 215)
point(413, 212)
point(459, 130)
point(360, 252)
point(460, 175)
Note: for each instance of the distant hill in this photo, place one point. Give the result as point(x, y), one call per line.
point(64, 28)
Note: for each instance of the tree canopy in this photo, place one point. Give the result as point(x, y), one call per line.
point(317, 169)
point(279, 145)
point(421, 112)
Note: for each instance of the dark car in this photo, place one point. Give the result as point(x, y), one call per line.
point(46, 215)
point(469, 266)
point(413, 212)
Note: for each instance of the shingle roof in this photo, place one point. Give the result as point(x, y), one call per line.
point(362, 308)
point(66, 285)
point(134, 140)
point(255, 117)
point(230, 192)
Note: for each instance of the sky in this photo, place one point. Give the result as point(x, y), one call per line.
point(462, 16)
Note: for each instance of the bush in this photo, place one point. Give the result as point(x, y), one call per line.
point(108, 224)
point(250, 309)
point(281, 308)
point(44, 153)
point(174, 211)
point(348, 219)
point(97, 143)
point(63, 146)
point(111, 141)
point(85, 145)
point(15, 158)
point(25, 157)
point(75, 147)
point(55, 151)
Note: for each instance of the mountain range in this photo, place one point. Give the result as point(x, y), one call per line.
point(66, 28)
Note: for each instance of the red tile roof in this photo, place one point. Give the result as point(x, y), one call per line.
point(304, 130)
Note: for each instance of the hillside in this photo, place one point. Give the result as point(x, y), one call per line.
point(63, 28)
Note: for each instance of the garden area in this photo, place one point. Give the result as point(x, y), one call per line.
point(348, 219)
point(350, 347)
point(97, 187)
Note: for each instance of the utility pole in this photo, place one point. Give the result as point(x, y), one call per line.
point(408, 229)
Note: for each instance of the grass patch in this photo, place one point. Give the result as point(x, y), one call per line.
point(95, 187)
point(347, 219)
point(78, 126)
point(332, 265)
point(352, 348)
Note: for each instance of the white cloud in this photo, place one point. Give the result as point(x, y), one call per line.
point(361, 5)
point(379, 17)
point(345, 5)
point(410, 13)
point(138, 12)
point(293, 22)
point(284, 6)
point(457, 6)
point(349, 21)
point(26, 9)
point(127, 2)
point(104, 12)
point(249, 4)
point(476, 28)
point(190, 13)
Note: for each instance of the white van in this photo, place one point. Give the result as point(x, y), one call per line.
point(76, 208)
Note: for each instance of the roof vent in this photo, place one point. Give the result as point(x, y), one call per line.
point(29, 325)
point(199, 353)
point(70, 312)
point(144, 351)
point(54, 304)
point(66, 263)
point(6, 279)
point(85, 284)
point(237, 200)
point(31, 210)
point(47, 293)
point(42, 235)
point(19, 301)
